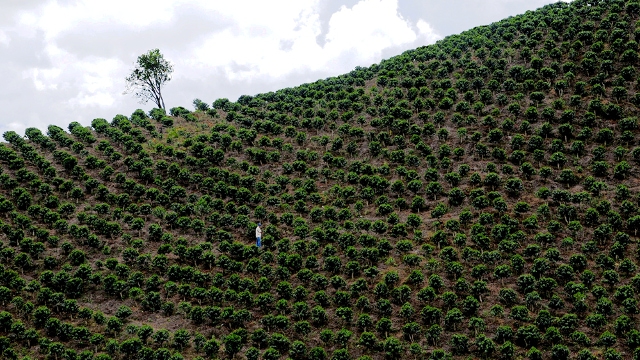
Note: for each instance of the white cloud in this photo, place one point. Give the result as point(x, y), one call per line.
point(94, 79)
point(43, 79)
point(17, 126)
point(286, 43)
point(55, 17)
point(267, 41)
point(99, 84)
point(369, 27)
point(102, 99)
point(239, 43)
point(4, 38)
point(427, 31)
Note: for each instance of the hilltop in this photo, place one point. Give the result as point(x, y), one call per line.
point(473, 198)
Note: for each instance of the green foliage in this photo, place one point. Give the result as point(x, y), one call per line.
point(536, 233)
point(152, 71)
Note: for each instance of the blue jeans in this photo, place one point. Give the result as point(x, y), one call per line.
point(258, 242)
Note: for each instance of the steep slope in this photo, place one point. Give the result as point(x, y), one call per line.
point(477, 197)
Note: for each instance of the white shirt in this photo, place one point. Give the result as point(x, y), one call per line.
point(258, 232)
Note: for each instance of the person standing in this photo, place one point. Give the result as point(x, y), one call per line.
point(258, 235)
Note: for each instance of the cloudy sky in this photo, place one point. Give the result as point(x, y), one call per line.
point(66, 60)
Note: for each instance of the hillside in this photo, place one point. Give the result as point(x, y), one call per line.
point(475, 198)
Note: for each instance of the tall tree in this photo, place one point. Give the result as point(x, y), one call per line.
point(151, 72)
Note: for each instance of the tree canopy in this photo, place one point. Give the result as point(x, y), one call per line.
point(151, 72)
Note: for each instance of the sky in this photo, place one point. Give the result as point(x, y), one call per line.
point(66, 60)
